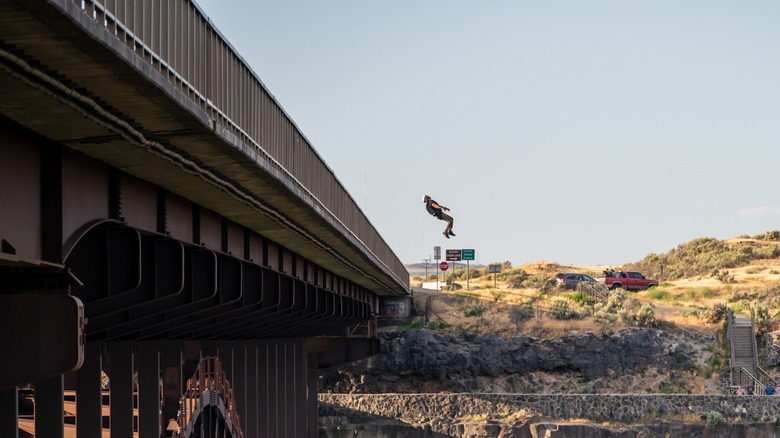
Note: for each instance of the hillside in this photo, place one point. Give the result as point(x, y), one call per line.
point(697, 280)
point(694, 278)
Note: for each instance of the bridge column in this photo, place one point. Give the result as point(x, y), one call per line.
point(252, 391)
point(312, 387)
point(49, 407)
point(238, 376)
point(121, 389)
point(171, 364)
point(266, 382)
point(148, 390)
point(297, 379)
point(89, 394)
point(9, 413)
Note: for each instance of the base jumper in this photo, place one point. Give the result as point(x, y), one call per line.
point(438, 211)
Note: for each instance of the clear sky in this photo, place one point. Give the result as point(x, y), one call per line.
point(577, 132)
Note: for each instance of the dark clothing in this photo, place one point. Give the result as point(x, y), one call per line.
point(437, 211)
point(433, 208)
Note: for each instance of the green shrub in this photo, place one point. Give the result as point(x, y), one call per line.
point(639, 316)
point(762, 320)
point(477, 310)
point(560, 310)
point(437, 325)
point(411, 324)
point(773, 236)
point(579, 297)
point(706, 255)
point(587, 388)
point(714, 418)
point(659, 294)
point(602, 314)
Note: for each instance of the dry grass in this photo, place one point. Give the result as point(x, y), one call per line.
point(674, 302)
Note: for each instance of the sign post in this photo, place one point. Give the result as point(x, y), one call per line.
point(468, 255)
point(437, 257)
point(453, 255)
point(494, 268)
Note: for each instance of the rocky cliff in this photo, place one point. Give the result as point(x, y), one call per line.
point(633, 360)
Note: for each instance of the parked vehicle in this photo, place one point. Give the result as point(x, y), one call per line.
point(570, 280)
point(629, 280)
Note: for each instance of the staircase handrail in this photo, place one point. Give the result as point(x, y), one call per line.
point(596, 291)
point(766, 378)
point(730, 336)
point(753, 336)
point(758, 387)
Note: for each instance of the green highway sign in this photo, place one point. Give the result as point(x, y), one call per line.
point(467, 254)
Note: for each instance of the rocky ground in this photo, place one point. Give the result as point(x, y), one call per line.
point(635, 360)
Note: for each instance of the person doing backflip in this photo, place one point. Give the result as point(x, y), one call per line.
point(438, 211)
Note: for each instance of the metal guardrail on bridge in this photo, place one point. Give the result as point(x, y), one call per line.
point(205, 68)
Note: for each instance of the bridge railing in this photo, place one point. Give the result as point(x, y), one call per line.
point(179, 41)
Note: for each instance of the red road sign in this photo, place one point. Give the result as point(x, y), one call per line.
point(443, 266)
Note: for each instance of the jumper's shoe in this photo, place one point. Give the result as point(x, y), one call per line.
point(446, 235)
point(451, 233)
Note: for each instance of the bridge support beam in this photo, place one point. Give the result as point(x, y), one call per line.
point(149, 422)
point(89, 406)
point(49, 407)
point(121, 381)
point(9, 406)
point(273, 383)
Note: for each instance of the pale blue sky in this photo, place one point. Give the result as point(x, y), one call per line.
point(577, 132)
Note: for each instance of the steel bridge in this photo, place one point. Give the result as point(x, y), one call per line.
point(176, 259)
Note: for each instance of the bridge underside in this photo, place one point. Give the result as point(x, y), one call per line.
point(159, 207)
point(148, 284)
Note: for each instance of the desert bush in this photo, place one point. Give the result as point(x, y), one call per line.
point(521, 313)
point(743, 295)
point(603, 315)
point(497, 295)
point(714, 418)
point(579, 297)
point(607, 313)
point(560, 310)
point(543, 283)
point(587, 388)
point(639, 315)
point(705, 255)
point(437, 325)
point(723, 276)
point(513, 277)
point(616, 299)
point(473, 311)
point(763, 320)
point(773, 236)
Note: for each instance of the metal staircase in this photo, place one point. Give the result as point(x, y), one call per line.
point(597, 292)
point(745, 371)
